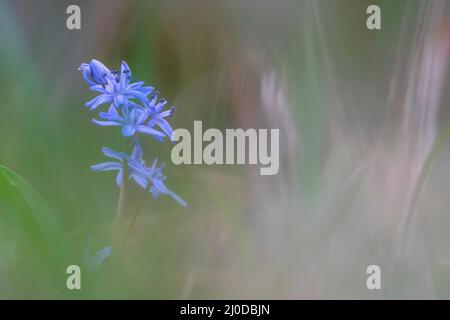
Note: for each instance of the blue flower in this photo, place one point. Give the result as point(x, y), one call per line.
point(95, 73)
point(136, 161)
point(135, 158)
point(93, 262)
point(112, 165)
point(155, 110)
point(132, 110)
point(132, 120)
point(115, 87)
point(152, 179)
point(149, 178)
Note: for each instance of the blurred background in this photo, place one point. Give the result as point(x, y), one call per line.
point(364, 150)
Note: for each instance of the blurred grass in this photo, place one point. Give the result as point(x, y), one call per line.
point(307, 232)
point(46, 242)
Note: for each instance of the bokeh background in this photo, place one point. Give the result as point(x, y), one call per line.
point(364, 149)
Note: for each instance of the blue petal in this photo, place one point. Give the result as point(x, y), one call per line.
point(178, 199)
point(113, 154)
point(138, 86)
point(161, 188)
point(141, 181)
point(154, 100)
point(154, 163)
point(98, 88)
point(137, 151)
point(101, 99)
point(150, 131)
point(105, 123)
point(86, 71)
point(111, 117)
point(132, 105)
point(135, 85)
point(107, 166)
point(119, 177)
point(99, 72)
point(112, 109)
point(102, 254)
point(138, 96)
point(167, 113)
point(120, 100)
point(128, 130)
point(159, 139)
point(139, 169)
point(125, 75)
point(140, 118)
point(158, 184)
point(160, 105)
point(93, 263)
point(146, 90)
point(155, 192)
point(165, 126)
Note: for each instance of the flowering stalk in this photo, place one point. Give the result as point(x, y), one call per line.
point(120, 209)
point(121, 200)
point(137, 110)
point(134, 216)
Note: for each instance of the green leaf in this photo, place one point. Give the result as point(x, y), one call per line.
point(24, 205)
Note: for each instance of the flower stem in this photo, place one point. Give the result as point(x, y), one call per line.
point(120, 210)
point(121, 201)
point(134, 217)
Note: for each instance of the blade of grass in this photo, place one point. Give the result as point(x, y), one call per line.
point(39, 222)
point(441, 141)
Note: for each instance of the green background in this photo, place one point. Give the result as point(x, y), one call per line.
point(364, 154)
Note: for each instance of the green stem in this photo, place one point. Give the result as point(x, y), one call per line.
point(121, 202)
point(134, 217)
point(122, 193)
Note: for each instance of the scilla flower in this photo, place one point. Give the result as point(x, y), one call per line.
point(95, 73)
point(149, 178)
point(93, 261)
point(115, 87)
point(152, 179)
point(112, 165)
point(137, 114)
point(132, 121)
point(135, 158)
point(156, 113)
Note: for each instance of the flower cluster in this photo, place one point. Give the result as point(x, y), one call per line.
point(137, 109)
